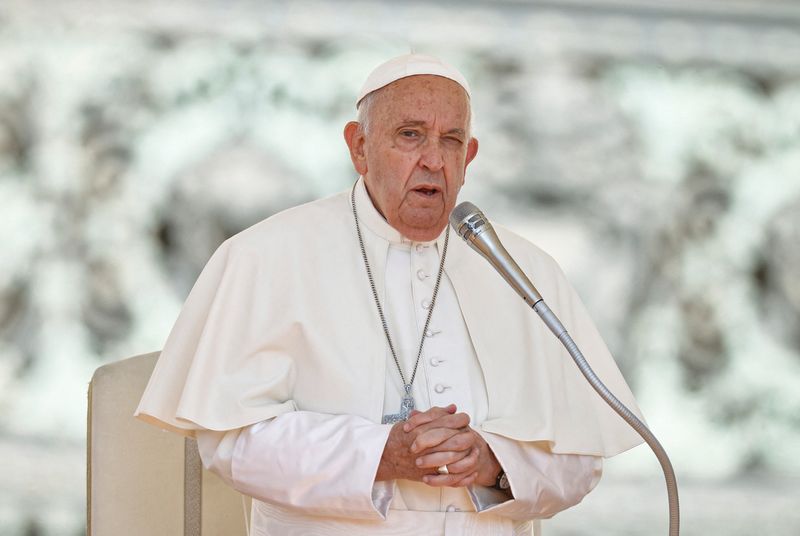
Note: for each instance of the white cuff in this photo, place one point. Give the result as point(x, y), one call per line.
point(542, 483)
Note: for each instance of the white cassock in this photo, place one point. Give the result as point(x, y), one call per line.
point(279, 367)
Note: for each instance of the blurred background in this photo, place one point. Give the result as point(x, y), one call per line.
point(653, 148)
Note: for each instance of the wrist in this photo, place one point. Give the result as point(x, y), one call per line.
point(385, 471)
point(488, 478)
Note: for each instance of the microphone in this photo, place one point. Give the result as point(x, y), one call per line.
point(469, 223)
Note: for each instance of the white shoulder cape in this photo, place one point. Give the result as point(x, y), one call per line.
point(282, 318)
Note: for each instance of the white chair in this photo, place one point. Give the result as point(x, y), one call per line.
point(142, 481)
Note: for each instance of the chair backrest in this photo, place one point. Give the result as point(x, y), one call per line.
point(142, 480)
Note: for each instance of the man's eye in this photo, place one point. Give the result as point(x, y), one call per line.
point(409, 133)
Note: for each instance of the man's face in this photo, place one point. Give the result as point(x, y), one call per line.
point(414, 156)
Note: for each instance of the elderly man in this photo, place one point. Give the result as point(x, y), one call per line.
point(356, 371)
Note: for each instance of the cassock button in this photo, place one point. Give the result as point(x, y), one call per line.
point(420, 248)
point(451, 508)
point(432, 332)
point(421, 275)
point(425, 304)
point(439, 388)
point(435, 361)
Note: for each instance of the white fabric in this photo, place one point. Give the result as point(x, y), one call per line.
point(409, 65)
point(305, 464)
point(448, 371)
point(313, 474)
point(324, 465)
point(281, 319)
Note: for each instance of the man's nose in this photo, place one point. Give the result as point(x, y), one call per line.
point(432, 157)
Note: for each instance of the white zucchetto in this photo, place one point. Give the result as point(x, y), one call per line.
point(410, 65)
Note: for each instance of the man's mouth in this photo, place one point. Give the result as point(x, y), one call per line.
point(428, 191)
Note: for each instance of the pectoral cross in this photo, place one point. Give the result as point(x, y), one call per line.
point(406, 406)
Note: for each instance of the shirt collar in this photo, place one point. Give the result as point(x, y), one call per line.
point(375, 222)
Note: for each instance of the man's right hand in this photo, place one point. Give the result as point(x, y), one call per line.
point(437, 424)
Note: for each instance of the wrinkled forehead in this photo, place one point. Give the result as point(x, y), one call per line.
point(425, 86)
point(419, 98)
point(422, 100)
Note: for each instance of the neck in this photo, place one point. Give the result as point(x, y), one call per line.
point(421, 235)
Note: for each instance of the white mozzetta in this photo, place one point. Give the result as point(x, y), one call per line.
point(282, 319)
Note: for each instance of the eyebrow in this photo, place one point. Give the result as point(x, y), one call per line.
point(417, 123)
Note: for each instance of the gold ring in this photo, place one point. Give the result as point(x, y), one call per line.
point(442, 470)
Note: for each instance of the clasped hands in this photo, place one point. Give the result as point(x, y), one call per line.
point(428, 440)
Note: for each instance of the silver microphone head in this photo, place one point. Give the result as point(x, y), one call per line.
point(467, 221)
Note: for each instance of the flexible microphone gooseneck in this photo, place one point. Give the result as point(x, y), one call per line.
point(470, 224)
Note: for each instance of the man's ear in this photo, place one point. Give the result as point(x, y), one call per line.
point(355, 140)
point(472, 150)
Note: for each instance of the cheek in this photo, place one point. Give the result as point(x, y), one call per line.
point(455, 175)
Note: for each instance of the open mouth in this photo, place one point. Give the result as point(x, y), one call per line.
point(427, 191)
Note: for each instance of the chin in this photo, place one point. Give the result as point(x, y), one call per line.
point(423, 233)
point(422, 225)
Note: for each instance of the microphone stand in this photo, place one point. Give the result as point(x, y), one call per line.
point(470, 224)
point(562, 335)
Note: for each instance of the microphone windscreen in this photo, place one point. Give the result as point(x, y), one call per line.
point(461, 211)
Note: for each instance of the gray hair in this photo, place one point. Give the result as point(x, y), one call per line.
point(365, 107)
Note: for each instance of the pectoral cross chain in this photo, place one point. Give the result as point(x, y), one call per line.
point(407, 403)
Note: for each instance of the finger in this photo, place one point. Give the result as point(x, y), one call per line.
point(456, 421)
point(439, 459)
point(458, 442)
point(418, 418)
point(467, 464)
point(466, 481)
point(449, 480)
point(432, 438)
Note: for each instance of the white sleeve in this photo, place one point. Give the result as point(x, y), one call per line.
point(318, 463)
point(542, 483)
